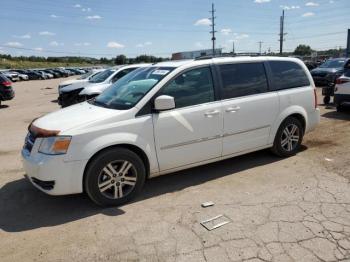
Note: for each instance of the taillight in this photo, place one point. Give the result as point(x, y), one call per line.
point(315, 98)
point(6, 83)
point(340, 81)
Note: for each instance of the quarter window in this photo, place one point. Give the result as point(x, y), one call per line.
point(243, 79)
point(288, 75)
point(191, 88)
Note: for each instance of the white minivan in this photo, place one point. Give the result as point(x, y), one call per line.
point(167, 117)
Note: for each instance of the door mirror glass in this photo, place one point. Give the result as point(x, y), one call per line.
point(164, 102)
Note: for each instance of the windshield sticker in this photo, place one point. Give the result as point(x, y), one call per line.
point(160, 72)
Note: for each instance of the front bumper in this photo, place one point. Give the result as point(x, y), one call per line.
point(70, 98)
point(340, 99)
point(53, 175)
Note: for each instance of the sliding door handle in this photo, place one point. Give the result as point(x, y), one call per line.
point(232, 109)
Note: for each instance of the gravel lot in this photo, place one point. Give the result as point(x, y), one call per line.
point(295, 209)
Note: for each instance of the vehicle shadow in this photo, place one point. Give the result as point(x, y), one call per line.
point(344, 115)
point(4, 106)
point(22, 207)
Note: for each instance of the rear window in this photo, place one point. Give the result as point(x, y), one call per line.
point(243, 79)
point(287, 74)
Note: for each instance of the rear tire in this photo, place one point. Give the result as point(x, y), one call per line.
point(326, 100)
point(288, 138)
point(114, 177)
point(340, 108)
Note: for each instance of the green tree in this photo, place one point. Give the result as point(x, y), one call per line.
point(302, 50)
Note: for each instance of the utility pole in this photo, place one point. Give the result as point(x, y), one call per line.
point(260, 43)
point(213, 26)
point(282, 34)
point(233, 47)
point(348, 45)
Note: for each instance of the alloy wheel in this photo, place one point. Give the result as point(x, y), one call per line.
point(290, 137)
point(117, 179)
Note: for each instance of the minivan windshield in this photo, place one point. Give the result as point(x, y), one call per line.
point(333, 63)
point(102, 76)
point(130, 89)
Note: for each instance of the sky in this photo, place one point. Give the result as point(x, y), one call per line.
point(106, 28)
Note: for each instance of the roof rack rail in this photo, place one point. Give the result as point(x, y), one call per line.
point(226, 55)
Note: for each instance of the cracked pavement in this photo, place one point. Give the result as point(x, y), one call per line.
point(295, 209)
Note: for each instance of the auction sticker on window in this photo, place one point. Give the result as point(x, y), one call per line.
point(160, 72)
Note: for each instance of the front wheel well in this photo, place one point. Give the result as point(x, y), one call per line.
point(132, 148)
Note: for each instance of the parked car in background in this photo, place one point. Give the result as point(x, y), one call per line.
point(79, 92)
point(11, 76)
point(342, 90)
point(329, 71)
point(326, 75)
point(32, 75)
point(167, 117)
point(82, 79)
point(52, 72)
point(22, 77)
point(6, 90)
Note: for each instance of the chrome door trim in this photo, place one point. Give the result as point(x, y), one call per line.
point(191, 142)
point(204, 139)
point(244, 131)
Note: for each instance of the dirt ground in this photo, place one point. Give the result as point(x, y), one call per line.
point(295, 209)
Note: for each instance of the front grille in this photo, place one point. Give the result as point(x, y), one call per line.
point(69, 98)
point(29, 142)
point(46, 185)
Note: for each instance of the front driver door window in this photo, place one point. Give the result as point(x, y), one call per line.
point(192, 131)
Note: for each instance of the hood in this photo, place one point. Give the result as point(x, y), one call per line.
point(94, 89)
point(325, 70)
point(75, 86)
point(73, 117)
point(72, 81)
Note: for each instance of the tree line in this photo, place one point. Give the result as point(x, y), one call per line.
point(118, 60)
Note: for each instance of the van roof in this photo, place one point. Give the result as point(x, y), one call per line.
point(218, 60)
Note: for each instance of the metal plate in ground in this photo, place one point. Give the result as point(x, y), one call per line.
point(215, 222)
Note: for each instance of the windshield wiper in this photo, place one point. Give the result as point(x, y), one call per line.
point(93, 101)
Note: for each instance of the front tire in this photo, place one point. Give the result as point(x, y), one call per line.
point(288, 138)
point(114, 177)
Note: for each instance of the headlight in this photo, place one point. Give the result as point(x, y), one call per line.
point(55, 145)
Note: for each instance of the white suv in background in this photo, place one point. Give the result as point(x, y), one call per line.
point(167, 117)
point(82, 91)
point(342, 90)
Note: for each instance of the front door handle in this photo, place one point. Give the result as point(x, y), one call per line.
point(232, 109)
point(212, 113)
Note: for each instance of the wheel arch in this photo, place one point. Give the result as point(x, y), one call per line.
point(296, 112)
point(137, 150)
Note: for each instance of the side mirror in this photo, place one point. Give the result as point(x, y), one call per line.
point(164, 102)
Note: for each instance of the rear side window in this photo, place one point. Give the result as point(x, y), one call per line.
point(243, 79)
point(287, 74)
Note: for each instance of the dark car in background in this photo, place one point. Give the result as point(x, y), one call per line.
point(6, 90)
point(326, 75)
point(32, 75)
point(54, 73)
point(329, 71)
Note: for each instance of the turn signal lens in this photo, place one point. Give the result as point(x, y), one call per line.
point(57, 145)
